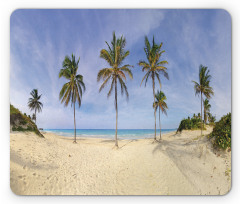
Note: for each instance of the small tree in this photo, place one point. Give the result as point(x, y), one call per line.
point(34, 103)
point(160, 103)
point(33, 116)
point(203, 87)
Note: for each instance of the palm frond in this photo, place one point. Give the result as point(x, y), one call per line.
point(121, 75)
point(106, 55)
point(115, 55)
point(145, 78)
point(104, 83)
point(123, 87)
point(162, 63)
point(158, 78)
point(111, 88)
point(104, 73)
point(126, 69)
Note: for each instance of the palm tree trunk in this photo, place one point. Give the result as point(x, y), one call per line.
point(160, 125)
point(201, 115)
point(35, 117)
point(155, 138)
point(116, 106)
point(74, 126)
point(204, 115)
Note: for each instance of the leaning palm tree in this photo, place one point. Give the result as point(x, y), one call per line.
point(160, 103)
point(206, 109)
point(203, 87)
point(153, 66)
point(73, 89)
point(114, 55)
point(34, 103)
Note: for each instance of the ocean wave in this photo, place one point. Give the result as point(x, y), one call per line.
point(122, 134)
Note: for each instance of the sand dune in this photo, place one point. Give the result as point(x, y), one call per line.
point(178, 165)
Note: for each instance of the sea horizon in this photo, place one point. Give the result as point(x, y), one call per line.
point(109, 133)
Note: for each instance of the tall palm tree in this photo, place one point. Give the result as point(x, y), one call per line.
point(203, 87)
point(160, 103)
point(153, 66)
point(206, 109)
point(73, 89)
point(114, 55)
point(34, 103)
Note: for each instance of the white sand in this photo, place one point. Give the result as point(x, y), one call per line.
point(178, 165)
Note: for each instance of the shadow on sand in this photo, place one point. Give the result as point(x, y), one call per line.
point(181, 151)
point(121, 143)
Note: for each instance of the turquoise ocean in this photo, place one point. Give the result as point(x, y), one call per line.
point(109, 133)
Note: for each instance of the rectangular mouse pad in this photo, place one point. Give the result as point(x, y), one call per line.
point(120, 102)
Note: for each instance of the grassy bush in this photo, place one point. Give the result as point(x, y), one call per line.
point(189, 124)
point(222, 132)
point(13, 110)
point(212, 124)
point(21, 129)
point(17, 119)
point(23, 122)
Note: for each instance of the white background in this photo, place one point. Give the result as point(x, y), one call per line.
point(8, 6)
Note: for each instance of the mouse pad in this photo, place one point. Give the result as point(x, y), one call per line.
point(120, 102)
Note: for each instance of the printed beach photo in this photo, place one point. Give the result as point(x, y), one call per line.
point(120, 101)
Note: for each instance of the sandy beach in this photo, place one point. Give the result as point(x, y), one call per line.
point(178, 165)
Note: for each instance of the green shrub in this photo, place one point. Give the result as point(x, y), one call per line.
point(212, 124)
point(16, 117)
point(29, 128)
point(23, 122)
point(13, 110)
point(18, 128)
point(189, 124)
point(222, 132)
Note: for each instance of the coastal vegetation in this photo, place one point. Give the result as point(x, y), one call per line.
point(160, 103)
point(203, 87)
point(211, 119)
point(21, 122)
point(193, 123)
point(221, 133)
point(34, 103)
point(116, 73)
point(73, 89)
point(153, 66)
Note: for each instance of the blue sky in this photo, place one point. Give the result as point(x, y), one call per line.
point(40, 39)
